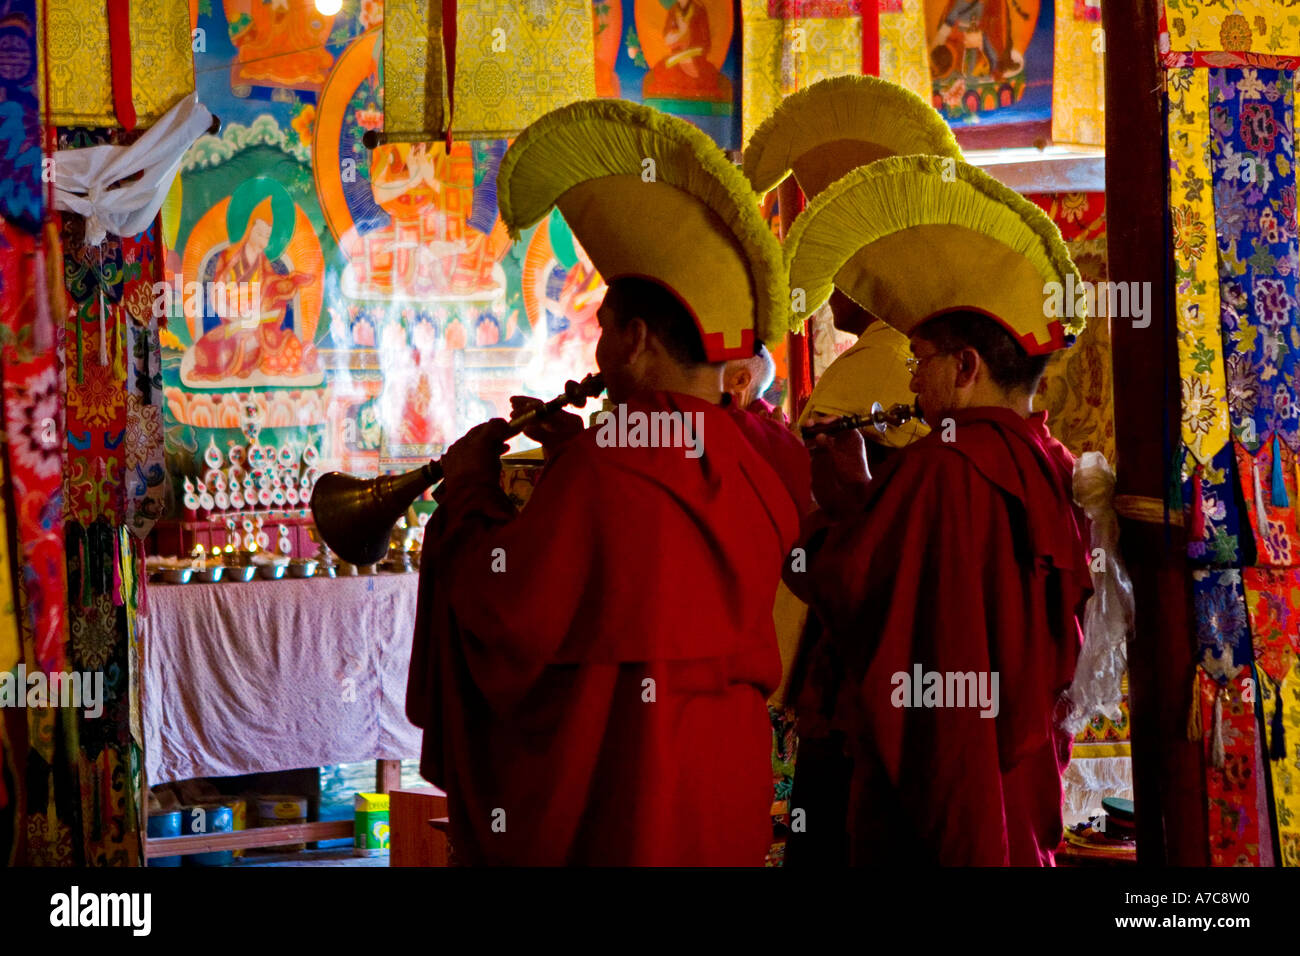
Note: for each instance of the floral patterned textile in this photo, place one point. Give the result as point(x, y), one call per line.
point(22, 200)
point(114, 418)
point(1277, 542)
point(1220, 545)
point(1201, 32)
point(33, 414)
point(1282, 730)
point(1192, 207)
point(1233, 824)
point(1076, 388)
point(1222, 634)
point(1255, 213)
point(1273, 597)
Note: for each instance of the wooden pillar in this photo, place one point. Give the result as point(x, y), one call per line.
point(1168, 772)
point(388, 775)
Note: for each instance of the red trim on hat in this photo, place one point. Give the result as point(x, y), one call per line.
point(1028, 342)
point(716, 351)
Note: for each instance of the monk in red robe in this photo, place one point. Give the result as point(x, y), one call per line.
point(964, 556)
point(591, 673)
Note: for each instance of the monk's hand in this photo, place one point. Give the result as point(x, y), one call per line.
point(839, 468)
point(551, 431)
point(477, 456)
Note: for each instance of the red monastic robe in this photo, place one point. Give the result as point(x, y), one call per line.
point(538, 636)
point(967, 556)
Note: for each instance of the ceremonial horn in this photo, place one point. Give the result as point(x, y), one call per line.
point(355, 516)
point(881, 419)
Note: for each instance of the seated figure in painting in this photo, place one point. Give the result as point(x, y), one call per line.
point(242, 344)
point(278, 44)
point(686, 73)
point(984, 28)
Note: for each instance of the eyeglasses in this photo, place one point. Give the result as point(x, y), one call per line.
point(914, 364)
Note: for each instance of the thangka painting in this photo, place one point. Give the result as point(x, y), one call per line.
point(361, 308)
point(679, 56)
point(991, 60)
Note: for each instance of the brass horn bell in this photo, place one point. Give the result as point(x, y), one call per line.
point(355, 516)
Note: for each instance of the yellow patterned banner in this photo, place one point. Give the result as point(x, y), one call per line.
point(1286, 771)
point(9, 647)
point(781, 56)
point(81, 87)
point(1079, 86)
point(1196, 262)
point(415, 101)
point(519, 59)
point(1266, 27)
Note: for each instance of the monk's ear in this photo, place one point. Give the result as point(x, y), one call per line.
point(969, 363)
point(636, 337)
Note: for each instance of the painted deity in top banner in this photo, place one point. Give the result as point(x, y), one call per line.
point(685, 71)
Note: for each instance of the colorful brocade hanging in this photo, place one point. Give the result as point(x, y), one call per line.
point(1273, 597)
point(33, 411)
point(1233, 208)
point(22, 199)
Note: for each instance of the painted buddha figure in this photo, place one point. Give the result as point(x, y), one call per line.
point(243, 343)
point(685, 72)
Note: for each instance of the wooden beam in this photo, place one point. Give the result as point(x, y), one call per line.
point(247, 839)
point(388, 775)
point(1168, 773)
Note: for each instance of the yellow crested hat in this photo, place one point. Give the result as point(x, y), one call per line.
point(830, 128)
point(873, 369)
point(650, 196)
point(911, 237)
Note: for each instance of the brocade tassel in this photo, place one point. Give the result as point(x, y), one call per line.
point(103, 330)
point(1280, 499)
point(1261, 510)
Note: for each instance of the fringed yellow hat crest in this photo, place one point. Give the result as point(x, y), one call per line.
point(649, 195)
point(830, 128)
point(911, 237)
point(873, 369)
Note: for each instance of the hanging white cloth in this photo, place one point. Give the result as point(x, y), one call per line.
point(1108, 616)
point(89, 181)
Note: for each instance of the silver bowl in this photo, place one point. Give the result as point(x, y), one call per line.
point(244, 573)
point(210, 575)
point(305, 570)
point(177, 575)
point(272, 572)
